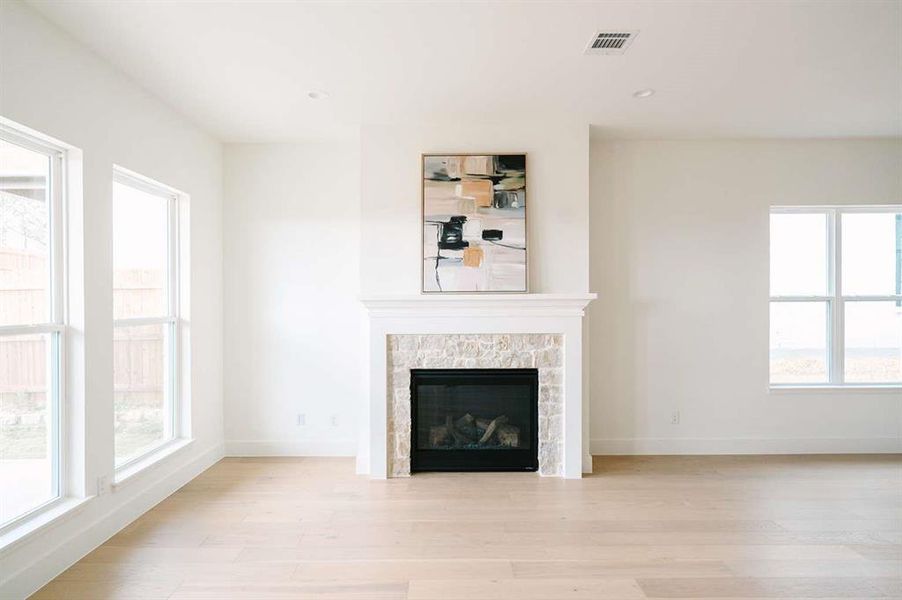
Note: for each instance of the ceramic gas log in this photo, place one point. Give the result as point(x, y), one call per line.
point(472, 432)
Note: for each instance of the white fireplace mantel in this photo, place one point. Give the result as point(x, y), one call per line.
point(474, 305)
point(426, 314)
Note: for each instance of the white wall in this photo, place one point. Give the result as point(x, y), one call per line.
point(292, 317)
point(308, 226)
point(680, 260)
point(51, 84)
point(557, 214)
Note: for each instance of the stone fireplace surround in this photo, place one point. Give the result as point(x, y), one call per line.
point(475, 331)
point(476, 351)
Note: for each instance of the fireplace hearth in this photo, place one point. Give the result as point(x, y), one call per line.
point(474, 419)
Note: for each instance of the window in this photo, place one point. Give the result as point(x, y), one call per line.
point(145, 311)
point(836, 296)
point(32, 324)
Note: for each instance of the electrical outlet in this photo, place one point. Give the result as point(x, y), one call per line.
point(675, 417)
point(102, 486)
point(334, 420)
point(302, 419)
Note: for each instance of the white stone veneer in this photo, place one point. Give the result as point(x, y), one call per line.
point(464, 351)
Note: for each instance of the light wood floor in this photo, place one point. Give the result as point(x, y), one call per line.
point(662, 527)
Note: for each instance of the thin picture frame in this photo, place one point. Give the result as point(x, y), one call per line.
point(423, 157)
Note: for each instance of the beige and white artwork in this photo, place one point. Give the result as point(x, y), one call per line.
point(474, 223)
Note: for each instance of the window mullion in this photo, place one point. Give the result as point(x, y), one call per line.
point(173, 293)
point(877, 298)
point(139, 321)
point(837, 349)
point(12, 330)
point(169, 395)
point(172, 258)
point(57, 256)
point(57, 413)
point(801, 298)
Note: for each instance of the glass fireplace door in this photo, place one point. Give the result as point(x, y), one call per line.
point(474, 419)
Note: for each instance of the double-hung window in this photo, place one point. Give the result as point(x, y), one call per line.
point(32, 324)
point(836, 296)
point(145, 311)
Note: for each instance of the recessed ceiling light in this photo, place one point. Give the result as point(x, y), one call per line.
point(317, 94)
point(644, 93)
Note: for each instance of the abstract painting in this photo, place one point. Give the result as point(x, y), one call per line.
point(474, 223)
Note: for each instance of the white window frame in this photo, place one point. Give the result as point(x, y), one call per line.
point(835, 300)
point(173, 430)
point(56, 327)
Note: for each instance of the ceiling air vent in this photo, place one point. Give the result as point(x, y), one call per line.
point(611, 42)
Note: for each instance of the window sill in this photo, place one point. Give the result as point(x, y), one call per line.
point(149, 462)
point(834, 389)
point(41, 520)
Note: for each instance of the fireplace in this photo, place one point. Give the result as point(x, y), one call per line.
point(474, 419)
point(474, 331)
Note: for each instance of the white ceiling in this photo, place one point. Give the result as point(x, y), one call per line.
point(732, 68)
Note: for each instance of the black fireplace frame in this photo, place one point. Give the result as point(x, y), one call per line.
point(514, 459)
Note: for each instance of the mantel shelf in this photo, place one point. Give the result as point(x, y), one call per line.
point(421, 305)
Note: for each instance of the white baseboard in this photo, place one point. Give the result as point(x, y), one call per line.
point(651, 446)
point(362, 465)
point(290, 448)
point(69, 549)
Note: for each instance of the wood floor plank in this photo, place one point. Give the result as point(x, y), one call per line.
point(878, 551)
point(166, 538)
point(773, 587)
point(815, 568)
point(642, 525)
point(519, 589)
point(402, 570)
point(618, 568)
point(293, 591)
point(363, 537)
point(107, 589)
point(818, 525)
point(666, 527)
point(162, 555)
point(463, 552)
point(178, 572)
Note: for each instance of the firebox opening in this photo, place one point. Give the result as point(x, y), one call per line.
point(474, 419)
